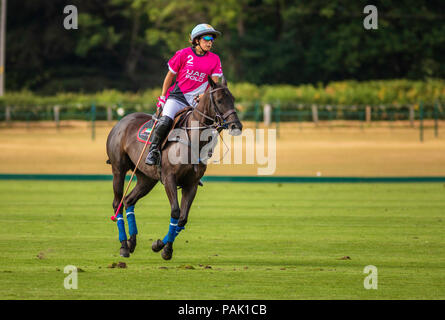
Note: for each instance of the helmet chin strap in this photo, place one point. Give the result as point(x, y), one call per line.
point(205, 51)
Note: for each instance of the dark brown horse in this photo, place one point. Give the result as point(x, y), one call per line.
point(214, 112)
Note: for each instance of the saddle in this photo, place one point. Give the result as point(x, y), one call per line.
point(178, 122)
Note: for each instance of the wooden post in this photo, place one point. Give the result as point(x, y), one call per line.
point(277, 118)
point(421, 121)
point(109, 114)
point(93, 120)
point(436, 120)
point(411, 115)
point(368, 114)
point(257, 113)
point(57, 116)
point(315, 113)
point(267, 114)
point(8, 114)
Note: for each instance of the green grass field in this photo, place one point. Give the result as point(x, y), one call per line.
point(262, 241)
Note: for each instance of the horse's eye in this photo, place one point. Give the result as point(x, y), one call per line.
point(219, 101)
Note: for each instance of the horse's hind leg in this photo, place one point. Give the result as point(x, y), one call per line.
point(118, 189)
point(143, 186)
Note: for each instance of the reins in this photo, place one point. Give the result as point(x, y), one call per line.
point(219, 122)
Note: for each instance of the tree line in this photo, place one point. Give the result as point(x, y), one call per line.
point(125, 44)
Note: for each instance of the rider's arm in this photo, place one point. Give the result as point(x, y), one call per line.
point(167, 82)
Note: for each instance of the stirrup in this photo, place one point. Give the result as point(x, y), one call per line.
point(153, 157)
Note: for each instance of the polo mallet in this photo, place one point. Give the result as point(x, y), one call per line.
point(114, 218)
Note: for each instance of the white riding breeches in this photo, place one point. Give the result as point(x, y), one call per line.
point(172, 107)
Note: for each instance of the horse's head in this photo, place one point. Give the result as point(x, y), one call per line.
point(222, 107)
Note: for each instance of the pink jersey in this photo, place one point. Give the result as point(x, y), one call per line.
point(191, 73)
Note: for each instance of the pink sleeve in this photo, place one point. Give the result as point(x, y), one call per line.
point(217, 71)
point(174, 64)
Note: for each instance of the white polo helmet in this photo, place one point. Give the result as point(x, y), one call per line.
point(202, 29)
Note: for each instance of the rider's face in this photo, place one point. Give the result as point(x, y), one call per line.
point(206, 44)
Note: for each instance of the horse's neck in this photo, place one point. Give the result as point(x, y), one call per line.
point(203, 107)
point(196, 119)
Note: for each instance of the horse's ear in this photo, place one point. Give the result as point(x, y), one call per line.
point(224, 81)
point(211, 82)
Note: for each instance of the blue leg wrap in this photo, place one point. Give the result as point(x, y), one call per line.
point(132, 229)
point(173, 231)
point(121, 227)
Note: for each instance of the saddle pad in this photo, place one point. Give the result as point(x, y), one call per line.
point(144, 131)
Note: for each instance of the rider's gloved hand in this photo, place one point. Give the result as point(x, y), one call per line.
point(161, 102)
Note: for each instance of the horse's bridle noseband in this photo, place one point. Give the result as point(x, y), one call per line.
point(220, 119)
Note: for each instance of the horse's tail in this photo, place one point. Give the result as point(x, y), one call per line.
point(108, 161)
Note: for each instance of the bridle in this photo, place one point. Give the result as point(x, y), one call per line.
point(219, 122)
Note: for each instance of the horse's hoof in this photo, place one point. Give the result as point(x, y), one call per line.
point(157, 245)
point(167, 253)
point(131, 243)
point(124, 252)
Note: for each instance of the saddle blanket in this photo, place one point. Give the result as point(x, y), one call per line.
point(144, 131)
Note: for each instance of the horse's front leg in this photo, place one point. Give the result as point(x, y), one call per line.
point(173, 231)
point(188, 195)
point(178, 224)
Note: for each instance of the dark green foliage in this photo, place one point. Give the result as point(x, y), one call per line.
point(125, 44)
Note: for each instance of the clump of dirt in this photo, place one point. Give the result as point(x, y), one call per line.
point(186, 266)
point(41, 255)
point(345, 258)
point(121, 265)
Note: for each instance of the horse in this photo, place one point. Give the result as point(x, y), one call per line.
point(215, 112)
